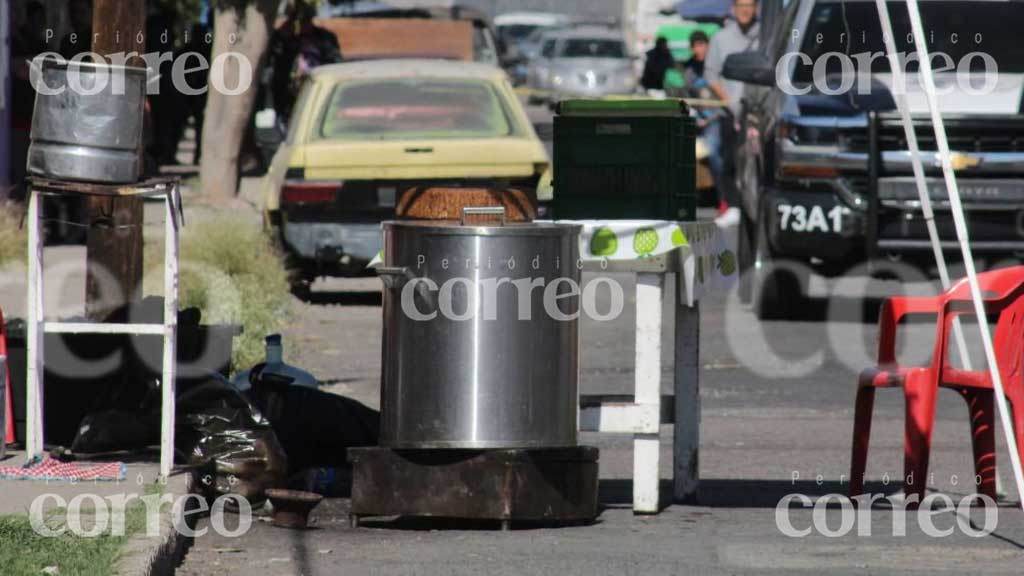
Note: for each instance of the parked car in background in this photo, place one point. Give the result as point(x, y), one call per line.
point(825, 174)
point(368, 30)
point(520, 32)
point(363, 132)
point(586, 61)
point(513, 27)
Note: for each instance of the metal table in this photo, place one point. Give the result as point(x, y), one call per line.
point(699, 259)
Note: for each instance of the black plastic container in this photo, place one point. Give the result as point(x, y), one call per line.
point(625, 160)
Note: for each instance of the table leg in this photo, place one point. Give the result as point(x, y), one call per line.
point(35, 336)
point(646, 446)
point(687, 406)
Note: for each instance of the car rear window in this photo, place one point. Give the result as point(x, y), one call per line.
point(415, 108)
point(593, 48)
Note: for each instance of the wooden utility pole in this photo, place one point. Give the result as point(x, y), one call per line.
point(115, 238)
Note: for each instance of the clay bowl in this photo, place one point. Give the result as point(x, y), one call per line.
point(292, 507)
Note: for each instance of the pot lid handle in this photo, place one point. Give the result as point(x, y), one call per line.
point(483, 211)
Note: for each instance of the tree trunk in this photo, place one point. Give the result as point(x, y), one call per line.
point(227, 116)
point(115, 255)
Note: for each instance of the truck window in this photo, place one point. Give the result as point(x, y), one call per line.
point(963, 30)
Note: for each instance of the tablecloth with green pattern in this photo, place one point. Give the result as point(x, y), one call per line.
point(701, 251)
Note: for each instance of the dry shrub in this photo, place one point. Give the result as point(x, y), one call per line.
point(13, 241)
point(231, 271)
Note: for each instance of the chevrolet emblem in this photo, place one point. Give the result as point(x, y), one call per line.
point(962, 162)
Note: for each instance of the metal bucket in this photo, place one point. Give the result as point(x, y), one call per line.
point(87, 124)
point(497, 371)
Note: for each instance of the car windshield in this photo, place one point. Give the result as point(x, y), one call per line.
point(593, 48)
point(411, 109)
point(955, 28)
point(518, 31)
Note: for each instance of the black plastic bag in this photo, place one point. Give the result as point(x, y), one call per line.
point(315, 428)
point(230, 444)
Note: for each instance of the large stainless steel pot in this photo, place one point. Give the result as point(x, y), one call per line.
point(496, 371)
point(87, 124)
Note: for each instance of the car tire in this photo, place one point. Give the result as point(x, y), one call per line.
point(778, 285)
point(299, 280)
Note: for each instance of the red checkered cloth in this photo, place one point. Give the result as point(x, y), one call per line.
point(50, 469)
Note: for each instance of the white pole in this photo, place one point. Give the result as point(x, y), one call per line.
point(903, 105)
point(961, 231)
point(34, 353)
point(170, 355)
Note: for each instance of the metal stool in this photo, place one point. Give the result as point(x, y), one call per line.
point(38, 326)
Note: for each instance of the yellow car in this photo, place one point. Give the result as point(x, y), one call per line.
point(363, 132)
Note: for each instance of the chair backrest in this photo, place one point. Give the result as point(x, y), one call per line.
point(995, 285)
point(1006, 287)
point(1009, 342)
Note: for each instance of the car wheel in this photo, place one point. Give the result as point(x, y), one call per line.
point(299, 280)
point(778, 285)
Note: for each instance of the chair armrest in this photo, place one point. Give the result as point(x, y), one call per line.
point(904, 305)
point(895, 309)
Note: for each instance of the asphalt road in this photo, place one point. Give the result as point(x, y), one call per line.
point(777, 412)
point(776, 405)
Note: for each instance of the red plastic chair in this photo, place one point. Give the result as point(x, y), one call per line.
point(5, 380)
point(1003, 291)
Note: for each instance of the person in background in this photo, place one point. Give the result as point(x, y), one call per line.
point(168, 106)
point(195, 104)
point(659, 61)
point(708, 119)
point(739, 34)
point(297, 47)
point(28, 40)
point(79, 38)
point(693, 69)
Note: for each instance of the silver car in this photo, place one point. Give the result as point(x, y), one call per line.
point(588, 62)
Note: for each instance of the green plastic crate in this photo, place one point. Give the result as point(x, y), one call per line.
point(624, 160)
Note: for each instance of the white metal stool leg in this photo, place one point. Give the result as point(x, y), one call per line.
point(170, 355)
point(646, 446)
point(35, 335)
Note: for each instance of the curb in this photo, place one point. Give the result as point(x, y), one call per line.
point(142, 556)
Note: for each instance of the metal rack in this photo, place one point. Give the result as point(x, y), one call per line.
point(166, 188)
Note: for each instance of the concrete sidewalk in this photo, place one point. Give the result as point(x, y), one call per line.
point(142, 554)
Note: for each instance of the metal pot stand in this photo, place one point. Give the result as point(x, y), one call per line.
point(544, 485)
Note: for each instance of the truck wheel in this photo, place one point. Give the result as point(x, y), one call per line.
point(777, 284)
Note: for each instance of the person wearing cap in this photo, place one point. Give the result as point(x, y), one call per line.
point(697, 86)
point(740, 33)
